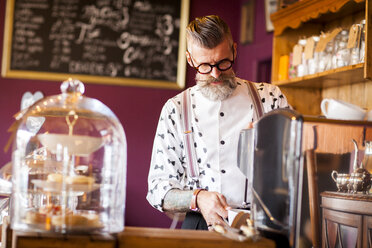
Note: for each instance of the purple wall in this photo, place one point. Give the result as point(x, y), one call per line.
point(137, 108)
point(250, 56)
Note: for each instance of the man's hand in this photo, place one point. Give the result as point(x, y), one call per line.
point(213, 207)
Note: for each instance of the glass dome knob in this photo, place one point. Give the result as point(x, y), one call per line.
point(71, 86)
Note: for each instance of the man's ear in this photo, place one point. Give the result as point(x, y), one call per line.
point(188, 58)
point(235, 51)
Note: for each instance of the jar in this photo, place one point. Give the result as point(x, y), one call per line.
point(341, 54)
point(325, 57)
point(355, 48)
point(362, 41)
point(314, 61)
point(302, 67)
point(69, 168)
point(292, 69)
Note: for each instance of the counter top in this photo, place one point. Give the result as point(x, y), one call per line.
point(135, 237)
point(356, 203)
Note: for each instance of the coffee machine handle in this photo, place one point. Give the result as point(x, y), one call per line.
point(333, 175)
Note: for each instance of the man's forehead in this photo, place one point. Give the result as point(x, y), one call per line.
point(207, 55)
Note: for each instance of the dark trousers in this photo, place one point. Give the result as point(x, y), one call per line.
point(194, 221)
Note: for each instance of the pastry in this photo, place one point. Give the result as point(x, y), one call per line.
point(248, 231)
point(93, 220)
point(70, 220)
point(78, 179)
point(33, 217)
point(55, 177)
point(52, 209)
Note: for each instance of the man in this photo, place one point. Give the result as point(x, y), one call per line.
point(220, 107)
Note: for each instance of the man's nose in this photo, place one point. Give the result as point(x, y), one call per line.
point(215, 72)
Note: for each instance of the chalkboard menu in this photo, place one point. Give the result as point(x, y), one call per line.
point(123, 42)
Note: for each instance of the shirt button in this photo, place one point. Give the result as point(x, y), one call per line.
point(222, 142)
point(223, 171)
point(222, 114)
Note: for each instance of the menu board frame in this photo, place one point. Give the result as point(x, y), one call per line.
point(8, 72)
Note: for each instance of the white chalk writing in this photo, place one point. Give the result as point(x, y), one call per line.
point(114, 38)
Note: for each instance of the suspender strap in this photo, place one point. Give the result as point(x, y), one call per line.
point(256, 100)
point(188, 138)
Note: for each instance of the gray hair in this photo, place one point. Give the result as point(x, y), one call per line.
point(208, 31)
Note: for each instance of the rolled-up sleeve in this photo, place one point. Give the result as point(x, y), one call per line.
point(167, 161)
point(282, 100)
point(272, 97)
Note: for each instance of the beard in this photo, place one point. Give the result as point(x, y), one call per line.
point(216, 92)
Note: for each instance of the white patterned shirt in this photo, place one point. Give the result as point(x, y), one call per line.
point(216, 126)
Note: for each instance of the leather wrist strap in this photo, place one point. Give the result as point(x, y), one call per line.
point(194, 204)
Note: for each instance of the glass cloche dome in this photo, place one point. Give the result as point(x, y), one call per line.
point(69, 165)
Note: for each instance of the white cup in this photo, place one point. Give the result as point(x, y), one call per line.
point(369, 116)
point(337, 109)
point(232, 216)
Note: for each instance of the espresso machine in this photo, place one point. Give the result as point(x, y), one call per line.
point(288, 160)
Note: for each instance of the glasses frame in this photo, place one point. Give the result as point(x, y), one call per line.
point(217, 65)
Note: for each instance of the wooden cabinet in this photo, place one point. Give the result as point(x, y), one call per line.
point(311, 17)
point(347, 220)
point(367, 231)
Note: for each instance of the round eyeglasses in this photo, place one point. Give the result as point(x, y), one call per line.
point(205, 68)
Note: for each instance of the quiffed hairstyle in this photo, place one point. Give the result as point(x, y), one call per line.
point(208, 31)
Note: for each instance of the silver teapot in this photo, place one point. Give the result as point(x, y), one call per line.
point(358, 181)
point(342, 181)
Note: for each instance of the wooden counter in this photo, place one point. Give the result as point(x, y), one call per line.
point(136, 237)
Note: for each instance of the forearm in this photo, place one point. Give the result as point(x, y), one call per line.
point(177, 200)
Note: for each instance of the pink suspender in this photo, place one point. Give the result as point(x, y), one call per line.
point(188, 137)
point(256, 99)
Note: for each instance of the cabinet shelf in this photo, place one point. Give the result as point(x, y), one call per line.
point(307, 18)
point(331, 78)
point(312, 10)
